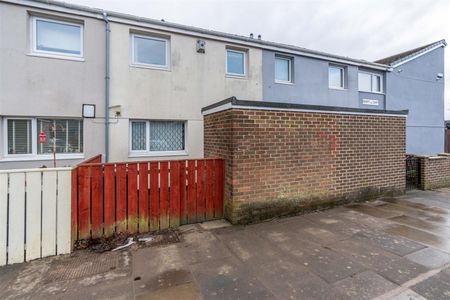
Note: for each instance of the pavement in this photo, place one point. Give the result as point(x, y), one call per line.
point(390, 248)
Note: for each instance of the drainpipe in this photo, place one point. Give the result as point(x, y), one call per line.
point(107, 46)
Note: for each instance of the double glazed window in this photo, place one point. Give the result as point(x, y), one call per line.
point(336, 77)
point(157, 136)
point(23, 136)
point(57, 37)
point(370, 82)
point(236, 60)
point(150, 51)
point(283, 69)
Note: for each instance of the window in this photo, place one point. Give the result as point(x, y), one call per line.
point(157, 136)
point(22, 137)
point(149, 51)
point(57, 37)
point(69, 135)
point(19, 136)
point(336, 77)
point(283, 69)
point(369, 82)
point(236, 62)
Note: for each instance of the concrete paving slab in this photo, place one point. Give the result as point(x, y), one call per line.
point(373, 211)
point(430, 258)
point(436, 287)
point(365, 285)
point(391, 243)
point(408, 295)
point(214, 224)
point(441, 242)
point(187, 291)
point(228, 279)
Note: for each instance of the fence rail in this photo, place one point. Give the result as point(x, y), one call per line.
point(34, 214)
point(144, 196)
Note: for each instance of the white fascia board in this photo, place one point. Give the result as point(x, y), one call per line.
point(441, 44)
point(173, 29)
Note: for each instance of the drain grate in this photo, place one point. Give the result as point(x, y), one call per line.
point(82, 266)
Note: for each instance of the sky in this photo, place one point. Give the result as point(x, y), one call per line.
point(366, 29)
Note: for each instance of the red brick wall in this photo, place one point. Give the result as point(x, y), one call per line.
point(434, 172)
point(281, 162)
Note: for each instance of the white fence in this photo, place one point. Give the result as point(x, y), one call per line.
point(34, 214)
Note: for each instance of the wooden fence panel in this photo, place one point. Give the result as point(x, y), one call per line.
point(109, 200)
point(121, 197)
point(143, 196)
point(34, 202)
point(97, 201)
point(3, 217)
point(35, 209)
point(154, 196)
point(174, 194)
point(16, 226)
point(63, 239)
point(132, 198)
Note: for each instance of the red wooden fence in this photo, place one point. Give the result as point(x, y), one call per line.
point(144, 196)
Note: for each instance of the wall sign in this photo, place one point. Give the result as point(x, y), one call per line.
point(370, 102)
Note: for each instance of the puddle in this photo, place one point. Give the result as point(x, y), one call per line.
point(372, 211)
point(421, 224)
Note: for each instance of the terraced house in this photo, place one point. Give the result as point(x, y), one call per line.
point(132, 88)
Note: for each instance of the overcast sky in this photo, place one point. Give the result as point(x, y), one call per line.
point(367, 29)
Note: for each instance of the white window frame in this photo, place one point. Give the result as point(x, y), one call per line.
point(150, 66)
point(34, 147)
point(230, 74)
point(56, 54)
point(147, 151)
point(342, 68)
point(371, 81)
point(290, 65)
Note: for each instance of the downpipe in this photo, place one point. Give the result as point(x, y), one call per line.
point(107, 78)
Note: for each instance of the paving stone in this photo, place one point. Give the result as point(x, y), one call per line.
point(429, 257)
point(365, 285)
point(441, 242)
point(400, 270)
point(408, 295)
point(227, 279)
point(330, 266)
point(394, 244)
point(187, 291)
point(436, 287)
point(373, 211)
point(200, 246)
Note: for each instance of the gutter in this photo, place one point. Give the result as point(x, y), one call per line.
point(107, 78)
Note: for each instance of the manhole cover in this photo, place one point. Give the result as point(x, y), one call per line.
point(81, 266)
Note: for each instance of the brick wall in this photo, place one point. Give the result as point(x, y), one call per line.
point(283, 162)
point(434, 171)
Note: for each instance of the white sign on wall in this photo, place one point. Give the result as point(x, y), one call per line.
point(370, 102)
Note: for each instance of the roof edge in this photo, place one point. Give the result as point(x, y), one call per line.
point(233, 102)
point(212, 34)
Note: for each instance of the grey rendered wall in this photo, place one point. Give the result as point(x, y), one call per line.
point(414, 86)
point(33, 86)
point(310, 85)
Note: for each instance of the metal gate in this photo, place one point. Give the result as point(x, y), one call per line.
point(412, 172)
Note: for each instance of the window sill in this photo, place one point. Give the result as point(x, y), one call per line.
point(157, 153)
point(284, 82)
point(41, 157)
point(235, 76)
point(378, 93)
point(138, 66)
point(337, 88)
point(80, 59)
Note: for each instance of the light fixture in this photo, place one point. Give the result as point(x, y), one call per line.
point(439, 76)
point(88, 110)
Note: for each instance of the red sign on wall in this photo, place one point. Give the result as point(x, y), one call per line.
point(42, 137)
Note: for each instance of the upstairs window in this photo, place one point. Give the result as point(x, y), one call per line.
point(236, 62)
point(57, 37)
point(19, 136)
point(370, 82)
point(283, 69)
point(150, 51)
point(336, 77)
